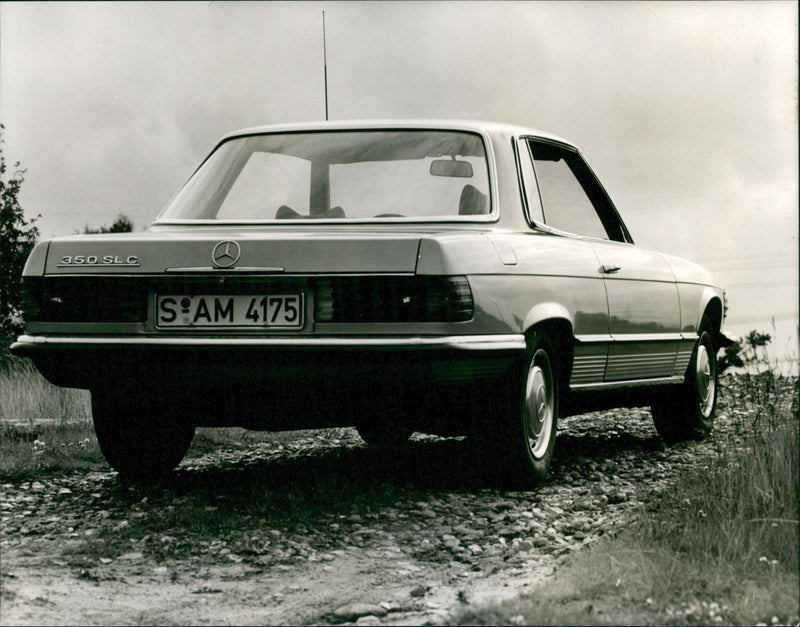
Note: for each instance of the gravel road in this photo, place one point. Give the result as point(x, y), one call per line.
point(244, 535)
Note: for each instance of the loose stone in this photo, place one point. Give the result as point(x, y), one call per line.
point(354, 611)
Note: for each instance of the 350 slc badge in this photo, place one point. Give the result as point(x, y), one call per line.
point(99, 260)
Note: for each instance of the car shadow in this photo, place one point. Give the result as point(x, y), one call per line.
point(447, 464)
point(575, 449)
point(349, 473)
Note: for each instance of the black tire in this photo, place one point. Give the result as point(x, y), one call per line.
point(142, 438)
point(525, 442)
point(387, 434)
point(687, 412)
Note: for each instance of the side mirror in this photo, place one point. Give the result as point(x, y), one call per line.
point(452, 168)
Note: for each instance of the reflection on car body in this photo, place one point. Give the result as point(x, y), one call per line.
point(448, 277)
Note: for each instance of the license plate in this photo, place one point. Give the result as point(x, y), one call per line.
point(261, 310)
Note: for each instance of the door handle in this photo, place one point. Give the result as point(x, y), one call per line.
point(610, 269)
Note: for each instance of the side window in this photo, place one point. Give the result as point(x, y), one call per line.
point(571, 197)
point(534, 203)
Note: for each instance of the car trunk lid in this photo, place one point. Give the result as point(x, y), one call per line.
point(280, 252)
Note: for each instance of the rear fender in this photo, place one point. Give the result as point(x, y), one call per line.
point(37, 260)
point(555, 321)
point(546, 311)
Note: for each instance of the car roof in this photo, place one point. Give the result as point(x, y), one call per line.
point(484, 127)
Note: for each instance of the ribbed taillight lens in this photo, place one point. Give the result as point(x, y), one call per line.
point(449, 299)
point(393, 299)
point(84, 299)
point(31, 297)
point(323, 307)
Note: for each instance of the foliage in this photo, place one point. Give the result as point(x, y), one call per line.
point(750, 349)
point(731, 357)
point(122, 224)
point(17, 238)
point(753, 342)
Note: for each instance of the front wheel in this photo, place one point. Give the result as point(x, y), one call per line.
point(688, 412)
point(527, 437)
point(142, 438)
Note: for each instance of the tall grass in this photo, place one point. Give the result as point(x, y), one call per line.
point(742, 508)
point(720, 547)
point(730, 528)
point(42, 427)
point(27, 399)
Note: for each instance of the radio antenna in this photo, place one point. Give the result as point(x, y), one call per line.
point(325, 63)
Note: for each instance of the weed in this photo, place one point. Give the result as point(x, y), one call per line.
point(27, 399)
point(44, 427)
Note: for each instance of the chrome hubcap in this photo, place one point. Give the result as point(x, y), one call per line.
point(706, 379)
point(539, 405)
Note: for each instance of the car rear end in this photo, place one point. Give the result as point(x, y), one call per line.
point(298, 276)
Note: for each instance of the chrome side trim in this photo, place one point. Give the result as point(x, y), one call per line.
point(457, 342)
point(613, 385)
point(641, 365)
point(586, 368)
point(593, 339)
point(636, 337)
point(682, 360)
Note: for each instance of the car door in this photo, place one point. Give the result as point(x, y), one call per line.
point(643, 304)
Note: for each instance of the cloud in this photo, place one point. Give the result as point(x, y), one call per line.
point(687, 105)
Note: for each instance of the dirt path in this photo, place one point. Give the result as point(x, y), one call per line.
point(145, 593)
point(320, 530)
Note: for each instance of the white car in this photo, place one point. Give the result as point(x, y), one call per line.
point(440, 276)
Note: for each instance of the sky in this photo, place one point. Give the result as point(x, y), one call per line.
point(686, 111)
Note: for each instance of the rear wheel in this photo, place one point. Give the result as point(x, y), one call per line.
point(527, 437)
point(688, 412)
point(142, 438)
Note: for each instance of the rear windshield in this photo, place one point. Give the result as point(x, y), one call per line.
point(339, 176)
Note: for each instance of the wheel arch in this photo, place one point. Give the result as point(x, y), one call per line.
point(558, 329)
point(713, 311)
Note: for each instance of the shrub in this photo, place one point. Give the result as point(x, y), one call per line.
point(17, 238)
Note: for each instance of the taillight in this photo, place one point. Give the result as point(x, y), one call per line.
point(84, 299)
point(393, 299)
point(31, 297)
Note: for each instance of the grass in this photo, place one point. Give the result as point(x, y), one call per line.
point(28, 400)
point(44, 428)
point(720, 548)
point(632, 581)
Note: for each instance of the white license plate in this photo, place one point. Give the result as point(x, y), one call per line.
point(235, 310)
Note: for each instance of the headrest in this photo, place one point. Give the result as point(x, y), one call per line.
point(472, 202)
point(287, 213)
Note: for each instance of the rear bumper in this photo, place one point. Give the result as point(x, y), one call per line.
point(169, 363)
point(28, 345)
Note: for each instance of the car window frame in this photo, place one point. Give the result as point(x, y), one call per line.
point(492, 217)
point(598, 197)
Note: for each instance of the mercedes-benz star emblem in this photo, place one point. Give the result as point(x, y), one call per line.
point(226, 253)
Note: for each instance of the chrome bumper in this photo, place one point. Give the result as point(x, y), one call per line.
point(26, 344)
point(163, 361)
